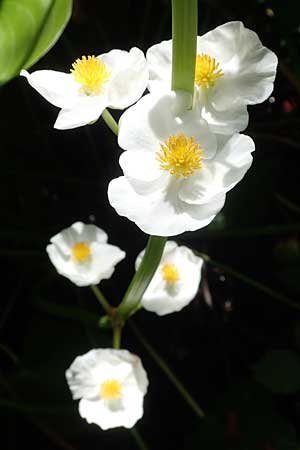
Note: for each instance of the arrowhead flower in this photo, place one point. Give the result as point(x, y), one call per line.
point(81, 254)
point(176, 173)
point(111, 385)
point(175, 282)
point(233, 70)
point(116, 80)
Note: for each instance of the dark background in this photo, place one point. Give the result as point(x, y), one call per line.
point(239, 357)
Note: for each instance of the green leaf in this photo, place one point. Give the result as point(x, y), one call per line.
point(279, 371)
point(28, 29)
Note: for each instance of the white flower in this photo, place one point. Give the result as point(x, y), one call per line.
point(175, 282)
point(174, 180)
point(111, 385)
point(233, 70)
point(116, 80)
point(81, 254)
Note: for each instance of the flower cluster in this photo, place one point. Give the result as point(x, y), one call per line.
point(182, 154)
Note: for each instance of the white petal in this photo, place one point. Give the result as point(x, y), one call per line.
point(249, 68)
point(159, 58)
point(129, 76)
point(142, 168)
point(161, 213)
point(67, 268)
point(85, 376)
point(234, 120)
point(58, 88)
point(97, 412)
point(153, 119)
point(221, 174)
point(87, 110)
point(92, 233)
point(101, 263)
point(78, 232)
point(169, 247)
point(169, 298)
point(104, 259)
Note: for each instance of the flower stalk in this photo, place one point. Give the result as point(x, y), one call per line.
point(167, 371)
point(184, 42)
point(110, 121)
point(142, 277)
point(102, 300)
point(117, 332)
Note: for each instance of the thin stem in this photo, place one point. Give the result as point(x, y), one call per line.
point(102, 300)
point(110, 121)
point(167, 371)
point(142, 277)
point(138, 439)
point(184, 44)
point(255, 284)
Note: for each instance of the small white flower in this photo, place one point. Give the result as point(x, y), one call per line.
point(176, 173)
point(116, 80)
point(175, 282)
point(111, 385)
point(81, 254)
point(233, 69)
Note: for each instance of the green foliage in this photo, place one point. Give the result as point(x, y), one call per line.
point(279, 371)
point(28, 29)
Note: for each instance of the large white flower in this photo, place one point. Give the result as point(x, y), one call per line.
point(175, 282)
point(111, 385)
point(116, 80)
point(81, 254)
point(174, 179)
point(233, 69)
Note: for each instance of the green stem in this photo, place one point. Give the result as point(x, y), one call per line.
point(142, 277)
point(117, 331)
point(245, 279)
point(167, 371)
point(184, 44)
point(138, 438)
point(102, 300)
point(110, 121)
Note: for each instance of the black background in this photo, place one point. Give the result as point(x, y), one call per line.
point(52, 178)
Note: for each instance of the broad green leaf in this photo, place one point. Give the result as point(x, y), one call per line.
point(279, 371)
point(28, 29)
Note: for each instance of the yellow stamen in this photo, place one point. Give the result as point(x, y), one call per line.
point(92, 73)
point(179, 155)
point(170, 273)
point(81, 252)
point(206, 71)
point(110, 390)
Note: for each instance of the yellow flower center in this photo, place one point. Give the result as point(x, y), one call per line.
point(91, 73)
point(180, 155)
point(81, 252)
point(206, 71)
point(170, 273)
point(110, 390)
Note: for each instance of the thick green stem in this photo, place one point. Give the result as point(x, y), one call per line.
point(110, 121)
point(142, 277)
point(184, 42)
point(167, 371)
